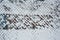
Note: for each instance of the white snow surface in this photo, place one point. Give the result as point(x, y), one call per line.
point(45, 34)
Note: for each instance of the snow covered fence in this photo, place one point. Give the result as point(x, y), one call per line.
point(17, 21)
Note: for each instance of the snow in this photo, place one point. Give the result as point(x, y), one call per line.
point(30, 34)
point(26, 34)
